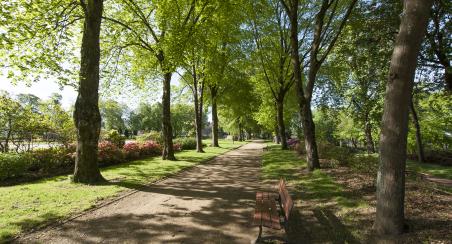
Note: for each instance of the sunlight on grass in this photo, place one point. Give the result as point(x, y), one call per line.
point(431, 169)
point(318, 190)
point(29, 205)
point(316, 185)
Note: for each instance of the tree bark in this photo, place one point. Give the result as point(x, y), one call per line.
point(312, 157)
point(198, 116)
point(86, 114)
point(197, 97)
point(448, 78)
point(281, 126)
point(8, 136)
point(213, 94)
point(420, 146)
point(167, 129)
point(368, 132)
point(391, 174)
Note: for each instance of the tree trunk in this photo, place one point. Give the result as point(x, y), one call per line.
point(448, 78)
point(86, 114)
point(8, 136)
point(197, 99)
point(277, 138)
point(305, 109)
point(391, 174)
point(213, 93)
point(368, 132)
point(312, 156)
point(281, 126)
point(167, 129)
point(420, 146)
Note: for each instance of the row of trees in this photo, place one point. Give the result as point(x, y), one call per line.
point(257, 70)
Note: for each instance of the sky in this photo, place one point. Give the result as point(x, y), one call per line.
point(42, 89)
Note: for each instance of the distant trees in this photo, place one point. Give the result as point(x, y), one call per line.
point(272, 58)
point(22, 122)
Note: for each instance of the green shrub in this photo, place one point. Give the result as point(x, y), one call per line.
point(342, 155)
point(51, 159)
point(114, 137)
point(151, 136)
point(364, 163)
point(13, 165)
point(186, 143)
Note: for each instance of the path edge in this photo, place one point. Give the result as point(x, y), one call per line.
point(110, 200)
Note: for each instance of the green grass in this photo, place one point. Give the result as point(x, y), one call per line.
point(33, 204)
point(431, 169)
point(316, 185)
point(436, 170)
point(333, 206)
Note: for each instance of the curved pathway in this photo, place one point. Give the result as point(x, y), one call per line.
point(211, 203)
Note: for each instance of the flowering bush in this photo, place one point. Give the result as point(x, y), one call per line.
point(109, 153)
point(177, 147)
point(150, 148)
point(132, 150)
point(292, 143)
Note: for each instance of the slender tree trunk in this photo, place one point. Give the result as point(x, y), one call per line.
point(368, 132)
point(86, 114)
point(8, 136)
point(213, 94)
point(277, 136)
point(281, 126)
point(197, 99)
point(448, 78)
point(391, 174)
point(168, 150)
point(420, 146)
point(305, 109)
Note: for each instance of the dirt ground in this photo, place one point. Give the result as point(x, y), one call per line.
point(211, 203)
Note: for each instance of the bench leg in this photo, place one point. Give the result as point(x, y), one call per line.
point(259, 236)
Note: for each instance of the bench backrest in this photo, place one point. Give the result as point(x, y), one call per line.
point(286, 200)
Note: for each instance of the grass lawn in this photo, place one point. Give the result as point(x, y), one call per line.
point(431, 169)
point(336, 204)
point(29, 205)
point(315, 185)
point(318, 193)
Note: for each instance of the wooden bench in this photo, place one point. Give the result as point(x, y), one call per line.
point(268, 214)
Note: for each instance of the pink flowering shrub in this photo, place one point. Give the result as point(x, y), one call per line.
point(150, 148)
point(132, 150)
point(177, 147)
point(109, 153)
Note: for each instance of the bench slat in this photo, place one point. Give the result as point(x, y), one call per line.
point(286, 200)
point(266, 212)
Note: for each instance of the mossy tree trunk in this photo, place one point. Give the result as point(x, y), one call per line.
point(86, 114)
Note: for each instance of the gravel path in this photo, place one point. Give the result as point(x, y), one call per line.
point(211, 203)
